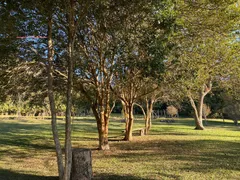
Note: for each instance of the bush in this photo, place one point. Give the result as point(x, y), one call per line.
point(206, 110)
point(233, 112)
point(172, 111)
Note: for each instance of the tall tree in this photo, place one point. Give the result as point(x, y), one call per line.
point(204, 52)
point(52, 98)
point(108, 37)
point(144, 53)
point(98, 45)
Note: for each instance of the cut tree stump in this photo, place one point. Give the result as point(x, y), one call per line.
point(81, 164)
point(140, 132)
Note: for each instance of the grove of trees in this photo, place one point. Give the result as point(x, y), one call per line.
point(60, 55)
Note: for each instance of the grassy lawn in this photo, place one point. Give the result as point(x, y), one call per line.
point(171, 151)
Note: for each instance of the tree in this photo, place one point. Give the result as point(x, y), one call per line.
point(8, 43)
point(70, 62)
point(98, 45)
point(203, 34)
point(152, 92)
point(52, 98)
point(35, 63)
point(143, 56)
point(128, 91)
point(107, 38)
point(232, 111)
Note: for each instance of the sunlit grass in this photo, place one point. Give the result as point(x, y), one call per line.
point(171, 151)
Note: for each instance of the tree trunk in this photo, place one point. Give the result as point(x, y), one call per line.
point(102, 126)
point(199, 124)
point(148, 119)
point(103, 133)
point(197, 115)
point(19, 105)
point(52, 101)
point(126, 115)
point(198, 120)
point(68, 143)
point(205, 119)
point(128, 135)
point(103, 137)
point(236, 122)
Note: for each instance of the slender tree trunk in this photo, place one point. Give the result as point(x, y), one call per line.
point(148, 120)
point(52, 101)
point(68, 143)
point(198, 112)
point(125, 114)
point(199, 121)
point(19, 105)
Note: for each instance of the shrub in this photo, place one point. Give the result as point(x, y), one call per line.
point(172, 111)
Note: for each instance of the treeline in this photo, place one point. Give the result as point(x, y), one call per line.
point(217, 105)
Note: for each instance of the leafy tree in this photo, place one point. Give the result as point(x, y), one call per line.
point(205, 52)
point(153, 92)
point(142, 57)
point(98, 46)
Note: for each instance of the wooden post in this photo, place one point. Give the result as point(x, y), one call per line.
point(81, 164)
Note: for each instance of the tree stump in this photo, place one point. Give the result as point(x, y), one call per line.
point(142, 132)
point(81, 164)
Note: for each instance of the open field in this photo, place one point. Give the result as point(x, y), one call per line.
point(171, 151)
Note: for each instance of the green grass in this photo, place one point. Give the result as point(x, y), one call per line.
point(171, 151)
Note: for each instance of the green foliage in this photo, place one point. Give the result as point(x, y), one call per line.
point(232, 108)
point(233, 111)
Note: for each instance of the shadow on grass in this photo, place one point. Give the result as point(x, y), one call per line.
point(10, 175)
point(25, 143)
point(190, 122)
point(105, 176)
point(203, 155)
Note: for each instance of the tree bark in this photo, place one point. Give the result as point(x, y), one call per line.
point(102, 126)
point(197, 118)
point(198, 111)
point(82, 164)
point(125, 114)
point(147, 115)
point(68, 143)
point(101, 111)
point(52, 101)
point(129, 121)
point(148, 120)
point(199, 122)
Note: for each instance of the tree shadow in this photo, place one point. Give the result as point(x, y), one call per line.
point(204, 155)
point(11, 175)
point(106, 176)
